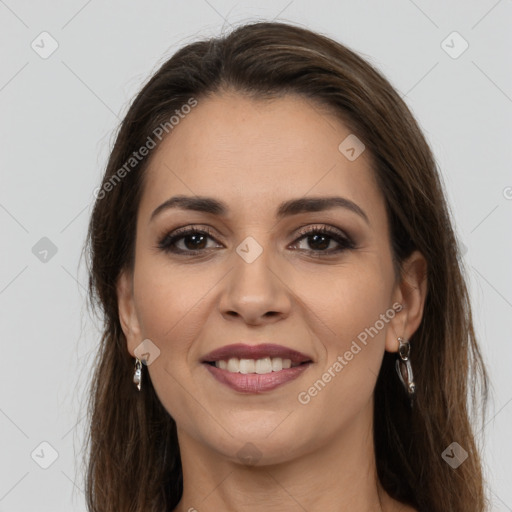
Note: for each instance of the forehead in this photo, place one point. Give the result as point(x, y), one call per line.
point(253, 153)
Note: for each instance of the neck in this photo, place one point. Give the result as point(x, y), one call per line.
point(339, 476)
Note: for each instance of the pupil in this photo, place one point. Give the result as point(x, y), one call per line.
point(323, 245)
point(195, 239)
point(318, 241)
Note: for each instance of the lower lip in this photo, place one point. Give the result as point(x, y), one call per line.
point(255, 382)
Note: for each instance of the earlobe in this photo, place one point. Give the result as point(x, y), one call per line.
point(411, 293)
point(127, 313)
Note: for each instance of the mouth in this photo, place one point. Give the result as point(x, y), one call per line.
point(255, 368)
point(261, 359)
point(258, 366)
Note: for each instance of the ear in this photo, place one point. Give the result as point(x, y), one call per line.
point(127, 312)
point(411, 293)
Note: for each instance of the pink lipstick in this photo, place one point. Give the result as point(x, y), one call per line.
point(255, 368)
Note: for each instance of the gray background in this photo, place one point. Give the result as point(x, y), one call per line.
point(58, 115)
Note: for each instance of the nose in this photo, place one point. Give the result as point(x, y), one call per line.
point(255, 293)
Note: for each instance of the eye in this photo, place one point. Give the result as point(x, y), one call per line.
point(194, 240)
point(321, 238)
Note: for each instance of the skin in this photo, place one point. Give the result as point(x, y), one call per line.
point(254, 154)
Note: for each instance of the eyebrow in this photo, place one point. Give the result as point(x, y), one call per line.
point(286, 209)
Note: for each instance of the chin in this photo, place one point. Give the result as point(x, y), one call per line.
point(259, 443)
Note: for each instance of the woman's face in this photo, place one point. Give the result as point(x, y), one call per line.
point(258, 277)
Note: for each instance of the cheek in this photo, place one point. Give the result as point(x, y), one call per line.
point(168, 301)
point(166, 294)
point(352, 312)
point(343, 302)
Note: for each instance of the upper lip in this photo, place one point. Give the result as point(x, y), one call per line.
point(243, 351)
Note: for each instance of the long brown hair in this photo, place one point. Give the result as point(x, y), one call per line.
point(133, 460)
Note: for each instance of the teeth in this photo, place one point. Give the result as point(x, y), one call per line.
point(260, 366)
point(233, 365)
point(277, 364)
point(247, 365)
point(264, 365)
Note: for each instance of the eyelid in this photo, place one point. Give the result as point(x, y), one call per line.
point(298, 232)
point(322, 227)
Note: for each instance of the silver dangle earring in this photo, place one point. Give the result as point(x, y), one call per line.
point(403, 367)
point(137, 376)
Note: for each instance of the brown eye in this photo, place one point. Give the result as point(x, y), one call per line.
point(192, 240)
point(319, 239)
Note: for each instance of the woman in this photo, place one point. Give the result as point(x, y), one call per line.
point(286, 321)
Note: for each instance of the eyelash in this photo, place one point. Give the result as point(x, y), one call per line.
point(168, 241)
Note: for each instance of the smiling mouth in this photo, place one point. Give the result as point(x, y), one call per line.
point(255, 366)
point(248, 368)
point(255, 376)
